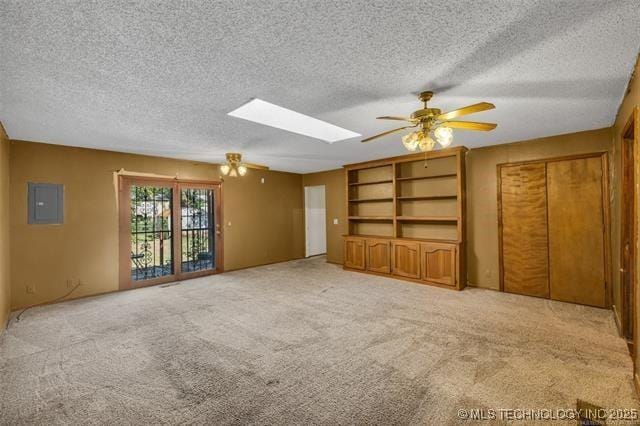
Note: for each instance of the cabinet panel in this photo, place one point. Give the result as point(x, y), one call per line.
point(354, 253)
point(378, 256)
point(405, 259)
point(438, 263)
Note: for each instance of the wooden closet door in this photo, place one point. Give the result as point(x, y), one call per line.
point(576, 231)
point(523, 228)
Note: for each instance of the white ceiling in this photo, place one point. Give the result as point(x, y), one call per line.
point(159, 77)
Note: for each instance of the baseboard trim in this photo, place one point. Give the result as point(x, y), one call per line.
point(4, 325)
point(69, 299)
point(263, 264)
point(470, 284)
point(616, 318)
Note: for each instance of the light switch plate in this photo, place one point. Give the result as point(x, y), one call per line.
point(335, 220)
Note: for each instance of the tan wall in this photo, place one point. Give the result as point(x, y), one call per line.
point(266, 219)
point(5, 287)
point(482, 210)
point(482, 193)
point(335, 203)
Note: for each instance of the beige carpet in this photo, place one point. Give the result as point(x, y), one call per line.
point(305, 342)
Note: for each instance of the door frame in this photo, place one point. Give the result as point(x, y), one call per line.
point(632, 128)
point(603, 155)
point(306, 220)
point(628, 186)
point(124, 242)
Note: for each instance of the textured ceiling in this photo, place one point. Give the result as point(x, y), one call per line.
point(159, 77)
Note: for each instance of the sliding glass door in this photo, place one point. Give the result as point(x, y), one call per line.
point(169, 230)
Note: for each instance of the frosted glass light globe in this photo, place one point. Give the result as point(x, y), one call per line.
point(426, 144)
point(444, 136)
point(410, 141)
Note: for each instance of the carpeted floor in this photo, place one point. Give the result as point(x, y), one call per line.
point(305, 342)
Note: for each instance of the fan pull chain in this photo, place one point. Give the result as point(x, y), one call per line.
point(425, 160)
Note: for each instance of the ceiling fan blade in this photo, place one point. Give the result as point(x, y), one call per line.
point(389, 117)
point(386, 133)
point(255, 166)
point(471, 109)
point(470, 125)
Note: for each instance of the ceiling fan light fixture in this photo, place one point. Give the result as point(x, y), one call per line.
point(433, 120)
point(410, 141)
point(242, 170)
point(444, 136)
point(225, 169)
point(426, 143)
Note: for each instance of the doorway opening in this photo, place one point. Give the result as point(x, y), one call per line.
point(315, 216)
point(169, 230)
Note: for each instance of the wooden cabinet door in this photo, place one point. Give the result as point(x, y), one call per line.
point(576, 231)
point(378, 256)
point(405, 259)
point(523, 229)
point(438, 263)
point(354, 253)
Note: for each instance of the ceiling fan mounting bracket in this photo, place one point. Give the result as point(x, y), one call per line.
point(425, 113)
point(426, 96)
point(234, 157)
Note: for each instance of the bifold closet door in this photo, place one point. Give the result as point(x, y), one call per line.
point(576, 231)
point(524, 242)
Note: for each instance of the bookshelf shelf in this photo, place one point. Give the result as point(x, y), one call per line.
point(382, 218)
point(428, 197)
point(371, 200)
point(375, 182)
point(408, 178)
point(427, 218)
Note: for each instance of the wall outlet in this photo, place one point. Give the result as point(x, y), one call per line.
point(31, 289)
point(229, 224)
point(261, 180)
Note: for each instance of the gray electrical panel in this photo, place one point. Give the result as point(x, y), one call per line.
point(45, 203)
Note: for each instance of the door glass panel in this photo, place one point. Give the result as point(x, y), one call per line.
point(197, 229)
point(151, 232)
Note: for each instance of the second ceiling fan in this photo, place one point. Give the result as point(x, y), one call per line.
point(236, 167)
point(433, 120)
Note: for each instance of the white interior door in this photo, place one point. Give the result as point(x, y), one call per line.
point(315, 215)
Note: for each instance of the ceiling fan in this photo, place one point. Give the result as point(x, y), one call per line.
point(432, 119)
point(235, 167)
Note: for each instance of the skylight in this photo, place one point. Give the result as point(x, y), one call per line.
point(266, 113)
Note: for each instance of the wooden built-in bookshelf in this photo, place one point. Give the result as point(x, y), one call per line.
point(414, 205)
